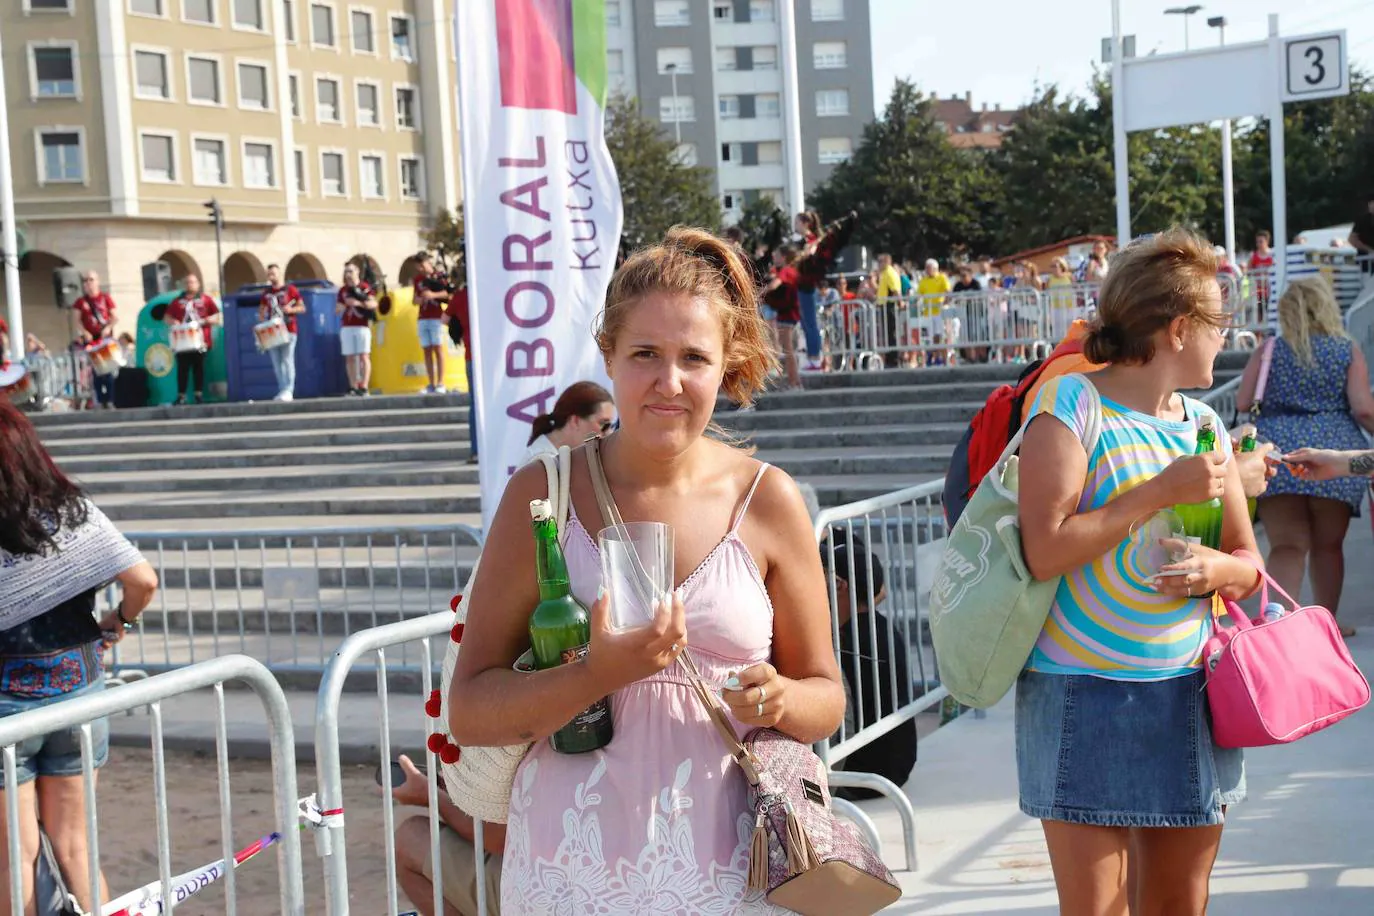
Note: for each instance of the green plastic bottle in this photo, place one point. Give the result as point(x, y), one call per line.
point(560, 632)
point(1202, 521)
point(1248, 444)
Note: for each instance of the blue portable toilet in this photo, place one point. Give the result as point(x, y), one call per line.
point(319, 362)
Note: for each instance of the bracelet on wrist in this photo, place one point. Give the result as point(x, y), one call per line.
point(128, 624)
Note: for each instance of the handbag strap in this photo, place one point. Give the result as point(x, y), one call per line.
point(1266, 362)
point(610, 515)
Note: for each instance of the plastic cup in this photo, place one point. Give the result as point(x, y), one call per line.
point(1150, 554)
point(637, 570)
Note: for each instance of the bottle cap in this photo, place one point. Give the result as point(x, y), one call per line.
point(1273, 606)
point(540, 510)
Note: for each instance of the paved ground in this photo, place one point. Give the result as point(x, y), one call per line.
point(1303, 843)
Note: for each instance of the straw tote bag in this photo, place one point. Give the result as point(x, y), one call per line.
point(479, 778)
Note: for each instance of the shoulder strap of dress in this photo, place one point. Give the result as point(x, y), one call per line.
point(748, 497)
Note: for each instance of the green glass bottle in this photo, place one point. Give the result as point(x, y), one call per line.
point(1202, 521)
point(1248, 443)
point(560, 632)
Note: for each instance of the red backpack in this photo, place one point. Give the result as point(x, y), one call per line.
point(997, 421)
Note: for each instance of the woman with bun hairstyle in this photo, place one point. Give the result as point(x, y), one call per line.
point(657, 820)
point(1114, 748)
point(582, 411)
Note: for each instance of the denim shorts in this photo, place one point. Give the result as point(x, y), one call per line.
point(431, 332)
point(56, 753)
point(1122, 753)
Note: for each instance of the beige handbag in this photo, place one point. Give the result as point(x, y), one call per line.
point(479, 780)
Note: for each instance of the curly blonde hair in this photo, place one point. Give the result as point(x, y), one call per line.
point(1308, 309)
point(696, 263)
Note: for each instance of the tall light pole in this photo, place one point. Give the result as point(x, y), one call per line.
point(9, 240)
point(1187, 12)
point(677, 115)
point(1228, 185)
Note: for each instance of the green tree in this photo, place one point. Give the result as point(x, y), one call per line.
point(916, 195)
point(657, 189)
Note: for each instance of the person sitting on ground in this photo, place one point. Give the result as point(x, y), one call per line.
point(457, 861)
point(861, 626)
point(57, 552)
point(583, 411)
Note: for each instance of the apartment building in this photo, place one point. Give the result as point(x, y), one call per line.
point(324, 128)
point(709, 70)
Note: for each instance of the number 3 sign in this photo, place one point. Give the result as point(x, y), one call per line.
point(1314, 67)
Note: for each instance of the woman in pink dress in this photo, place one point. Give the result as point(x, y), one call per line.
point(656, 822)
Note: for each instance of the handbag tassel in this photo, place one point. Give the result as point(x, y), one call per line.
point(758, 857)
point(801, 855)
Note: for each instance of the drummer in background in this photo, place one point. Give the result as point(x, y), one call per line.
point(286, 299)
point(96, 310)
point(357, 304)
point(431, 304)
point(193, 305)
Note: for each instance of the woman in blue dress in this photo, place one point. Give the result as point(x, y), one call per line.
point(1317, 396)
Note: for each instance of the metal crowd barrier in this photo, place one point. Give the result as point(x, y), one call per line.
point(288, 596)
point(62, 377)
point(330, 839)
point(80, 712)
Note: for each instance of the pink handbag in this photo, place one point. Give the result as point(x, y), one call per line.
point(1272, 682)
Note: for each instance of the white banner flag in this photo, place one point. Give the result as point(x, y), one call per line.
point(542, 211)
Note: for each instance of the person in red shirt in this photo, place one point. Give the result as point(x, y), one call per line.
point(284, 300)
point(357, 308)
point(431, 297)
point(193, 305)
point(96, 312)
point(781, 295)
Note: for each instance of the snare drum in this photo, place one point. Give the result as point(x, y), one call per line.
point(106, 356)
point(271, 334)
point(16, 383)
point(187, 337)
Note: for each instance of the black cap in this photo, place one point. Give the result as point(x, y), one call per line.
point(862, 556)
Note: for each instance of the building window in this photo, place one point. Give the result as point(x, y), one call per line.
point(672, 12)
point(147, 8)
point(762, 11)
point(255, 91)
point(369, 97)
point(722, 10)
point(60, 159)
point(248, 15)
point(729, 107)
point(321, 25)
point(298, 163)
point(152, 79)
point(202, 81)
point(832, 103)
point(48, 6)
point(327, 101)
point(412, 179)
point(288, 15)
point(364, 41)
point(332, 175)
point(259, 165)
point(835, 150)
point(613, 14)
point(159, 157)
point(407, 111)
point(770, 153)
point(830, 55)
point(680, 59)
point(402, 38)
point(766, 57)
point(293, 88)
point(202, 11)
point(686, 154)
point(208, 161)
point(727, 59)
point(730, 200)
point(54, 71)
point(730, 152)
point(827, 10)
point(615, 62)
point(370, 176)
point(768, 105)
point(686, 109)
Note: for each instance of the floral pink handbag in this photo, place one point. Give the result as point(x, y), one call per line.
point(1272, 682)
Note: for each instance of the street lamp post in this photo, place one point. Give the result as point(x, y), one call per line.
point(1228, 185)
point(677, 115)
point(1187, 12)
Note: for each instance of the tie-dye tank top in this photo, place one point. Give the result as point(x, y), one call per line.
point(1107, 620)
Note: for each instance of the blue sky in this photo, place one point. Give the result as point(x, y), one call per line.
point(999, 49)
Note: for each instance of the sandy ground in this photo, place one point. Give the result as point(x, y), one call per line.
point(128, 831)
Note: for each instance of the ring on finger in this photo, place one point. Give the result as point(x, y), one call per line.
point(763, 695)
point(758, 712)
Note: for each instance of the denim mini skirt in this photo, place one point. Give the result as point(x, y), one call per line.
point(1122, 753)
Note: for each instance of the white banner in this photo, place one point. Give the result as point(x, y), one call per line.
point(542, 211)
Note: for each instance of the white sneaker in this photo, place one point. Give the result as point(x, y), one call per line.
point(284, 396)
point(440, 389)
